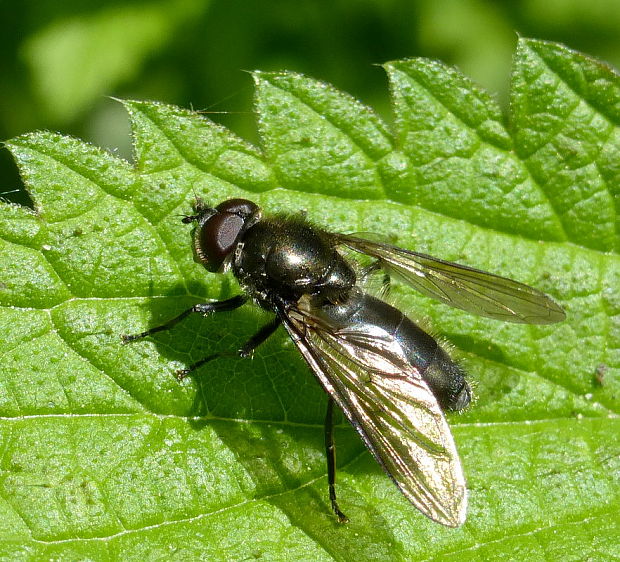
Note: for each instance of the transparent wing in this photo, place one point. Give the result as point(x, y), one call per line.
point(473, 290)
point(365, 371)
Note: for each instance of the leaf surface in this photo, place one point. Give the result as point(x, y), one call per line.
point(106, 456)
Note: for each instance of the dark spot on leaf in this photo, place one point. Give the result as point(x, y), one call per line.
point(599, 374)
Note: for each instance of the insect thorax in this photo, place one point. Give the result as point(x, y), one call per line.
point(290, 258)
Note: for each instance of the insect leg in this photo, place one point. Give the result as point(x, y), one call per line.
point(330, 453)
point(245, 351)
point(203, 308)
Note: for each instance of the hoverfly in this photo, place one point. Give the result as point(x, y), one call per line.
point(389, 377)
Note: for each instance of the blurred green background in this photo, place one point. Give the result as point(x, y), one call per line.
point(62, 60)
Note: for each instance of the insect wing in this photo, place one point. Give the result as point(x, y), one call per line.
point(469, 289)
point(365, 371)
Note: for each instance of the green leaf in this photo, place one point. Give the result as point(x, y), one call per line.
point(106, 456)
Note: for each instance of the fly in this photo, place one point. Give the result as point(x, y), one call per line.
point(390, 378)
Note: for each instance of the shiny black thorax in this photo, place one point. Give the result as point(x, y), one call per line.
point(287, 257)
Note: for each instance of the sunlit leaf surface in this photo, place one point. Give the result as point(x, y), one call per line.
point(106, 456)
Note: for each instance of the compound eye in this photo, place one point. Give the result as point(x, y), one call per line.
point(216, 239)
point(241, 207)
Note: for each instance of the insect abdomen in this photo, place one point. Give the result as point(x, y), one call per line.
point(444, 377)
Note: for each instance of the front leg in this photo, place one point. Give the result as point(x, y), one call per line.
point(203, 308)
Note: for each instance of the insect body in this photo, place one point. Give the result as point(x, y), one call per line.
point(390, 378)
